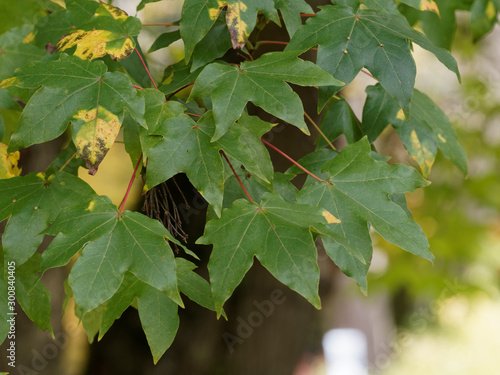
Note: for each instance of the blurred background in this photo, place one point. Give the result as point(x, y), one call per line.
point(418, 317)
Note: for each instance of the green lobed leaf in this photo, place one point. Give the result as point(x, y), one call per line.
point(261, 82)
point(30, 203)
point(198, 17)
point(134, 66)
point(350, 39)
point(483, 16)
point(119, 302)
point(195, 287)
point(212, 46)
point(290, 10)
point(339, 119)
point(112, 244)
point(78, 91)
point(357, 193)
point(143, 3)
point(427, 129)
point(185, 146)
point(378, 111)
point(159, 319)
point(158, 313)
point(32, 295)
point(5, 309)
point(164, 40)
point(242, 142)
point(52, 27)
point(190, 284)
point(195, 23)
point(15, 52)
point(67, 159)
point(277, 233)
point(423, 5)
point(178, 76)
point(109, 31)
point(158, 112)
point(440, 29)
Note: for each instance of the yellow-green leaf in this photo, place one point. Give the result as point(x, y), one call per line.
point(97, 43)
point(8, 163)
point(97, 132)
point(108, 32)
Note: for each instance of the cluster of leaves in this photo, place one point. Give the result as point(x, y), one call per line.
point(61, 72)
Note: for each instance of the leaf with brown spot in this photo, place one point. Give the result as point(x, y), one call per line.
point(427, 129)
point(198, 17)
point(94, 132)
point(109, 32)
point(65, 88)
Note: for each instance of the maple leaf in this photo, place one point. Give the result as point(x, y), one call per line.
point(427, 5)
point(186, 146)
point(358, 193)
point(278, 233)
point(349, 39)
point(8, 163)
point(198, 17)
point(178, 76)
point(290, 10)
point(31, 294)
point(112, 244)
point(50, 28)
point(31, 202)
point(483, 17)
point(15, 52)
point(157, 312)
point(261, 82)
point(427, 129)
point(77, 91)
point(108, 32)
point(339, 119)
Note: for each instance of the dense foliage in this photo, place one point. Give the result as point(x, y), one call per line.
point(78, 72)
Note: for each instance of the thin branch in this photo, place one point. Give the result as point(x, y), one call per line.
point(260, 42)
point(319, 131)
point(278, 42)
point(193, 114)
point(137, 87)
point(65, 164)
point(179, 89)
point(125, 197)
point(236, 175)
point(146, 68)
point(367, 73)
point(293, 161)
point(166, 24)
